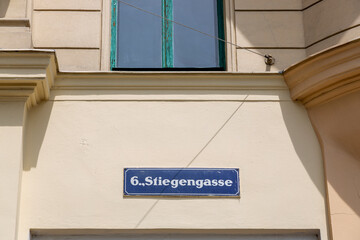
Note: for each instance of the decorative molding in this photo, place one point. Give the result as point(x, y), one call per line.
point(168, 81)
point(326, 75)
point(30, 75)
point(14, 22)
point(27, 75)
point(230, 35)
point(105, 50)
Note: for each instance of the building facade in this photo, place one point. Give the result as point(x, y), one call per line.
point(71, 121)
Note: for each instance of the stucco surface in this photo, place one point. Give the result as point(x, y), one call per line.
point(284, 58)
point(76, 151)
point(78, 59)
point(269, 29)
point(15, 38)
point(269, 5)
point(12, 8)
point(329, 17)
point(337, 39)
point(68, 4)
point(307, 3)
point(64, 29)
point(337, 123)
point(11, 142)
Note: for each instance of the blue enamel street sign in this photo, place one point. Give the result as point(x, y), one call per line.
point(181, 182)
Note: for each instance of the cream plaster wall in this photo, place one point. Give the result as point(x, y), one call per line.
point(11, 159)
point(269, 27)
point(73, 29)
point(68, 5)
point(284, 58)
point(329, 17)
point(337, 124)
point(268, 5)
point(308, 3)
point(328, 85)
point(59, 29)
point(15, 37)
point(13, 8)
point(338, 39)
point(78, 143)
point(15, 32)
point(331, 22)
point(78, 59)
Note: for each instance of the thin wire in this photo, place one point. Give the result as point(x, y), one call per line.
point(185, 26)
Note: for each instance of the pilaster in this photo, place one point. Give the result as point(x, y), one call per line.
point(25, 79)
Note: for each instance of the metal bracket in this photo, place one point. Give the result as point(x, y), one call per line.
point(269, 60)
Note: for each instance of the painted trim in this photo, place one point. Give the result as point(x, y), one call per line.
point(201, 81)
point(167, 34)
point(181, 232)
point(114, 19)
point(230, 35)
point(32, 87)
point(221, 34)
point(43, 84)
point(172, 69)
point(18, 22)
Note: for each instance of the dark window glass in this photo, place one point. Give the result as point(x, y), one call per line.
point(145, 41)
point(139, 35)
point(193, 49)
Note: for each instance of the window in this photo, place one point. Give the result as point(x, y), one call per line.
point(142, 41)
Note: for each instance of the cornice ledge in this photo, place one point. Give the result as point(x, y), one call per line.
point(168, 81)
point(14, 22)
point(326, 75)
point(27, 75)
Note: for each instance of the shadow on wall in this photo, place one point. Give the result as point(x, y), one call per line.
point(338, 125)
point(14, 114)
point(35, 132)
point(305, 142)
point(294, 114)
point(4, 5)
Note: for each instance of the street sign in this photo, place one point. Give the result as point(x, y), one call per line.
point(217, 182)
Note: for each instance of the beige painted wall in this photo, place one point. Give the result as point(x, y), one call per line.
point(11, 156)
point(337, 123)
point(73, 28)
point(331, 22)
point(328, 85)
point(78, 143)
point(13, 8)
point(15, 31)
point(269, 27)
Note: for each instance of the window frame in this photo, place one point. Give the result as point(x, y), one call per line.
point(166, 66)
